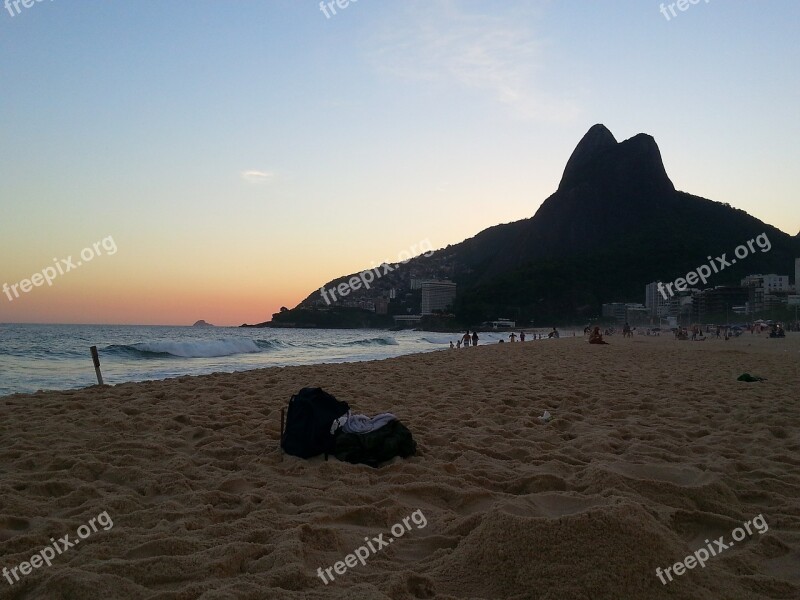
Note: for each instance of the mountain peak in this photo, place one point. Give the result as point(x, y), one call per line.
point(599, 160)
point(597, 140)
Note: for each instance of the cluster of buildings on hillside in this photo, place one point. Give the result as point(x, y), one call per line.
point(435, 296)
point(755, 294)
point(424, 288)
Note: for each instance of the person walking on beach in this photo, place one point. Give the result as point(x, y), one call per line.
point(521, 336)
point(474, 338)
point(466, 339)
point(458, 344)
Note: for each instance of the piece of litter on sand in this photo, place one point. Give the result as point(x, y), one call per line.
point(750, 378)
point(545, 417)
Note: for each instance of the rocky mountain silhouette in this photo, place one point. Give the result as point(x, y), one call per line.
point(615, 223)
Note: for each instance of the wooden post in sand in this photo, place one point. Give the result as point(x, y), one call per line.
point(96, 361)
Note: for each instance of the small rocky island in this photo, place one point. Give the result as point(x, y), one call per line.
point(202, 323)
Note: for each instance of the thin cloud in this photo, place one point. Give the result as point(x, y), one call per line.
point(257, 176)
point(494, 55)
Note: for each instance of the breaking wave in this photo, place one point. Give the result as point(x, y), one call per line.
point(228, 347)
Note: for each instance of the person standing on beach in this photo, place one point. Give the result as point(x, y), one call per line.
point(474, 338)
point(466, 339)
point(512, 336)
point(521, 336)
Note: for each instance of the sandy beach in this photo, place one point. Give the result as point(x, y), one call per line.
point(653, 448)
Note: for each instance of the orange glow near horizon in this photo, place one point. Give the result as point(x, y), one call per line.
point(172, 307)
point(112, 293)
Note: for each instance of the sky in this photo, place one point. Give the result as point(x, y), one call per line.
point(219, 160)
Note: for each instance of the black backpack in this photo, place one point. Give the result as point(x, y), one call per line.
point(375, 447)
point(311, 414)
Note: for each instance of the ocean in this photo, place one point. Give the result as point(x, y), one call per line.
point(57, 357)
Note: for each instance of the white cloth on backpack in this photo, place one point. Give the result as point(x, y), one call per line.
point(365, 424)
point(339, 423)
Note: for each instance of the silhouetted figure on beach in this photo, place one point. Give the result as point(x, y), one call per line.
point(512, 336)
point(474, 338)
point(596, 337)
point(521, 336)
point(466, 339)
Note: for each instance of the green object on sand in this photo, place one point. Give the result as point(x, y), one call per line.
point(749, 378)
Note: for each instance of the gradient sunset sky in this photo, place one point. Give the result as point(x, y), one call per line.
point(241, 154)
